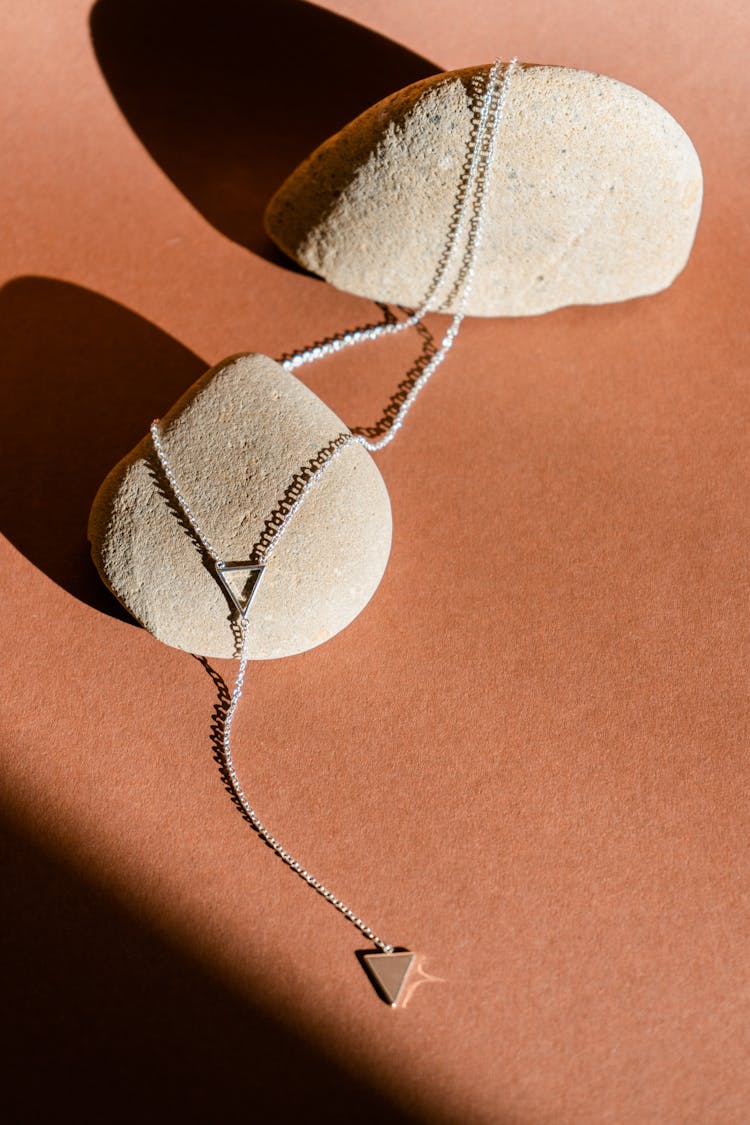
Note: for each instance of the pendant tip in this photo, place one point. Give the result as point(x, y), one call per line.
point(388, 973)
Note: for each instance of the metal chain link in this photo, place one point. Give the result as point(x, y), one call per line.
point(453, 239)
point(473, 191)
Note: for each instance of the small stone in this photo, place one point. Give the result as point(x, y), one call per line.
point(594, 196)
point(235, 442)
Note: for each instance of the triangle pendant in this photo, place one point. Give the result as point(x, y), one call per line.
point(388, 973)
point(241, 581)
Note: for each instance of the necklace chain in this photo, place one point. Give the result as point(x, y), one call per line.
point(468, 215)
point(482, 143)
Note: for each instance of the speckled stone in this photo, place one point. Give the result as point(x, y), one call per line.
point(594, 196)
point(235, 440)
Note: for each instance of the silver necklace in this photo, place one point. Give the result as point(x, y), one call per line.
point(388, 968)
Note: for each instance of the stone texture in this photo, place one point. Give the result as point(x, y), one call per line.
point(595, 195)
point(235, 440)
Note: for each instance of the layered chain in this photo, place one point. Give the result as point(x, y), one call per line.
point(467, 218)
point(470, 202)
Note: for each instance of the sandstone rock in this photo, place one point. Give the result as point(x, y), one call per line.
point(594, 195)
point(235, 441)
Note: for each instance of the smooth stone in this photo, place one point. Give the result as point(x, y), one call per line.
point(235, 441)
point(594, 196)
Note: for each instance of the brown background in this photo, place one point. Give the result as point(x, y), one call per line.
point(527, 759)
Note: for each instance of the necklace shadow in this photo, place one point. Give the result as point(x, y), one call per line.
point(229, 97)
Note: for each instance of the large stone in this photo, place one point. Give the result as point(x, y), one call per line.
point(594, 195)
point(235, 442)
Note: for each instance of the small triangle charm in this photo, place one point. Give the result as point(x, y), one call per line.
point(241, 581)
point(388, 973)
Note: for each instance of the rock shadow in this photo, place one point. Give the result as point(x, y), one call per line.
point(82, 378)
point(229, 96)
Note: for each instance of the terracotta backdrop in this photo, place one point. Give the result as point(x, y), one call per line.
point(527, 759)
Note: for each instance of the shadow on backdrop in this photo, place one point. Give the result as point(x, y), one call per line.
point(108, 1022)
point(82, 379)
point(228, 96)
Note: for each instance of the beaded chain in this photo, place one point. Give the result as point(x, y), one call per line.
point(468, 216)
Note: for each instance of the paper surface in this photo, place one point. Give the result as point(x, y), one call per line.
point(526, 760)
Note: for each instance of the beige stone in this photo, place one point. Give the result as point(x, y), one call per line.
point(594, 196)
point(235, 441)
